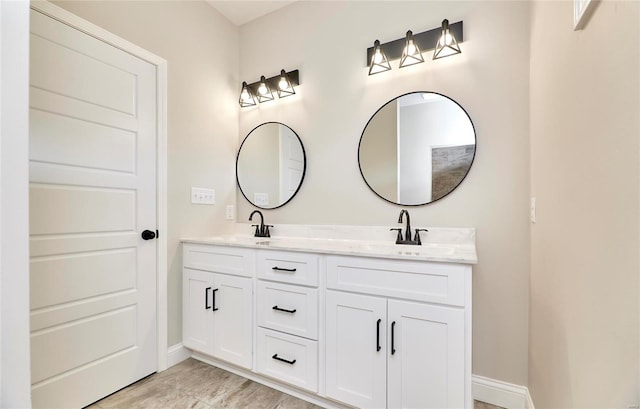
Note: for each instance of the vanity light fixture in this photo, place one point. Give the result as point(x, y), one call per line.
point(447, 44)
point(409, 49)
point(247, 99)
point(411, 52)
point(263, 91)
point(379, 61)
point(285, 88)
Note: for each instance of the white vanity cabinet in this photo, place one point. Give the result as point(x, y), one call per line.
point(337, 330)
point(217, 303)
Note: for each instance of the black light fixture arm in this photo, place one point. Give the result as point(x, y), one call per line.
point(425, 40)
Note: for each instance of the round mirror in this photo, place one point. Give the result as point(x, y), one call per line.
point(417, 148)
point(270, 166)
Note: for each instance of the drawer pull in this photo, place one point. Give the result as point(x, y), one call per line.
point(289, 270)
point(378, 347)
point(393, 340)
point(277, 358)
point(206, 298)
point(275, 307)
point(214, 299)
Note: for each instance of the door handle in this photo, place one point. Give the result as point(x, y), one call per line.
point(213, 303)
point(393, 340)
point(378, 347)
point(277, 358)
point(275, 307)
point(206, 298)
point(148, 235)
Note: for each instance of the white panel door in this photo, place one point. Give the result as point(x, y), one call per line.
point(232, 319)
point(356, 351)
point(426, 356)
point(92, 192)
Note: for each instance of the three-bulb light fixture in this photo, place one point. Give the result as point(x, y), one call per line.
point(263, 90)
point(443, 40)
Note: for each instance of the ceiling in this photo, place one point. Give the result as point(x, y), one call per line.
point(240, 12)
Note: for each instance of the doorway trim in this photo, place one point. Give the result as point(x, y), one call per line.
point(93, 30)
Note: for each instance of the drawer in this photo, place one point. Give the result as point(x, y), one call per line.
point(288, 267)
point(219, 259)
point(412, 280)
point(288, 308)
point(288, 358)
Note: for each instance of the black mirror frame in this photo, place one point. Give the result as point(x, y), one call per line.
point(475, 136)
point(304, 170)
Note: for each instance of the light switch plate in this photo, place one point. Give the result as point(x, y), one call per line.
point(261, 199)
point(201, 195)
point(231, 212)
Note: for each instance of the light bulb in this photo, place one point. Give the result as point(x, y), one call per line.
point(262, 89)
point(446, 39)
point(377, 57)
point(411, 48)
point(245, 95)
point(283, 84)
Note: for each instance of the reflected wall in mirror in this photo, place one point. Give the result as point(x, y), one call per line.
point(417, 148)
point(271, 165)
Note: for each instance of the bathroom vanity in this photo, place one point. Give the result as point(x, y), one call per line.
point(336, 321)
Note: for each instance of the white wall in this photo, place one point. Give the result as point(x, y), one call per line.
point(585, 167)
point(201, 49)
point(327, 41)
point(15, 375)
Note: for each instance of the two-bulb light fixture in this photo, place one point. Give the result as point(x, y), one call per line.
point(263, 91)
point(443, 41)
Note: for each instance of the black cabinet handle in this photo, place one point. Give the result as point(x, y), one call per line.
point(378, 347)
point(206, 298)
point(148, 235)
point(393, 341)
point(275, 307)
point(277, 358)
point(290, 270)
point(214, 299)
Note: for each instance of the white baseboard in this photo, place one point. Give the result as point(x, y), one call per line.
point(176, 354)
point(503, 394)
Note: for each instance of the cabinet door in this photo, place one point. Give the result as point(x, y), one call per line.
point(356, 349)
point(197, 295)
point(232, 319)
point(426, 357)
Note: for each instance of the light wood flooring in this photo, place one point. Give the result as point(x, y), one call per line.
point(194, 384)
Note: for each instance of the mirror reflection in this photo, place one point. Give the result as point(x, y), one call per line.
point(270, 166)
point(417, 148)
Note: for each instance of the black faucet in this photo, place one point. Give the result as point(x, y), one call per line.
point(262, 230)
point(407, 236)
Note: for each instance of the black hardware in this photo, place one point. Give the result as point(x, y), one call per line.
point(417, 236)
point(399, 238)
point(273, 82)
point(425, 40)
point(206, 298)
point(378, 347)
point(407, 236)
point(290, 270)
point(148, 235)
point(275, 307)
point(277, 358)
point(393, 334)
point(261, 230)
point(214, 299)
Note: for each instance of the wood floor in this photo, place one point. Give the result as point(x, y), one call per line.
point(194, 384)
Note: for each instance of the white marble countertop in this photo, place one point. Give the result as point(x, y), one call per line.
point(450, 245)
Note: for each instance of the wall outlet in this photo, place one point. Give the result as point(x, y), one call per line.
point(201, 195)
point(533, 210)
point(231, 212)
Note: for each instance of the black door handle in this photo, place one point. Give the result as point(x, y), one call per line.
point(213, 303)
point(277, 358)
point(148, 235)
point(393, 341)
point(290, 270)
point(275, 307)
point(206, 298)
point(378, 347)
